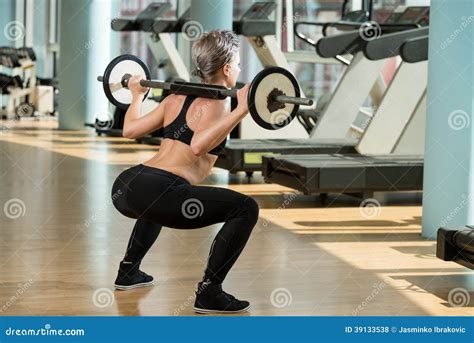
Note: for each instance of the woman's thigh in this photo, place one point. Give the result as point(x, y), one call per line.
point(190, 207)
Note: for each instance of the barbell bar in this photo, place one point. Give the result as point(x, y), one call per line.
point(273, 97)
point(225, 92)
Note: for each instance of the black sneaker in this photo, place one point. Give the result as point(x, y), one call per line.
point(210, 298)
point(130, 276)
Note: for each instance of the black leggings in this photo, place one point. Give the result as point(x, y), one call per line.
point(157, 198)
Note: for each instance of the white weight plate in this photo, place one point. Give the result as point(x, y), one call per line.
point(267, 85)
point(124, 95)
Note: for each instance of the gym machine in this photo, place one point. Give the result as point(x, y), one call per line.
point(387, 169)
point(456, 245)
point(26, 94)
point(152, 21)
point(330, 133)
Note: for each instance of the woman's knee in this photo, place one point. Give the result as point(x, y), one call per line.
point(251, 209)
point(119, 200)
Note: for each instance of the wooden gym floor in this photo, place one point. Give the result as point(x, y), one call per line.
point(61, 241)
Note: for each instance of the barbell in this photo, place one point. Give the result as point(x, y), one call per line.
point(273, 97)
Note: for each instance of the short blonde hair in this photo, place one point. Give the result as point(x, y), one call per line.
point(212, 51)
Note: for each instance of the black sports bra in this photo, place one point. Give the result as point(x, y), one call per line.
point(179, 129)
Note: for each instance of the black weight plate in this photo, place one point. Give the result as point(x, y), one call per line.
point(262, 85)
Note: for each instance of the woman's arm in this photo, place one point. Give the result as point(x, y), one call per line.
point(134, 125)
point(214, 126)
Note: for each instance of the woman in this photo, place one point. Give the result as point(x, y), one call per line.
point(162, 191)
